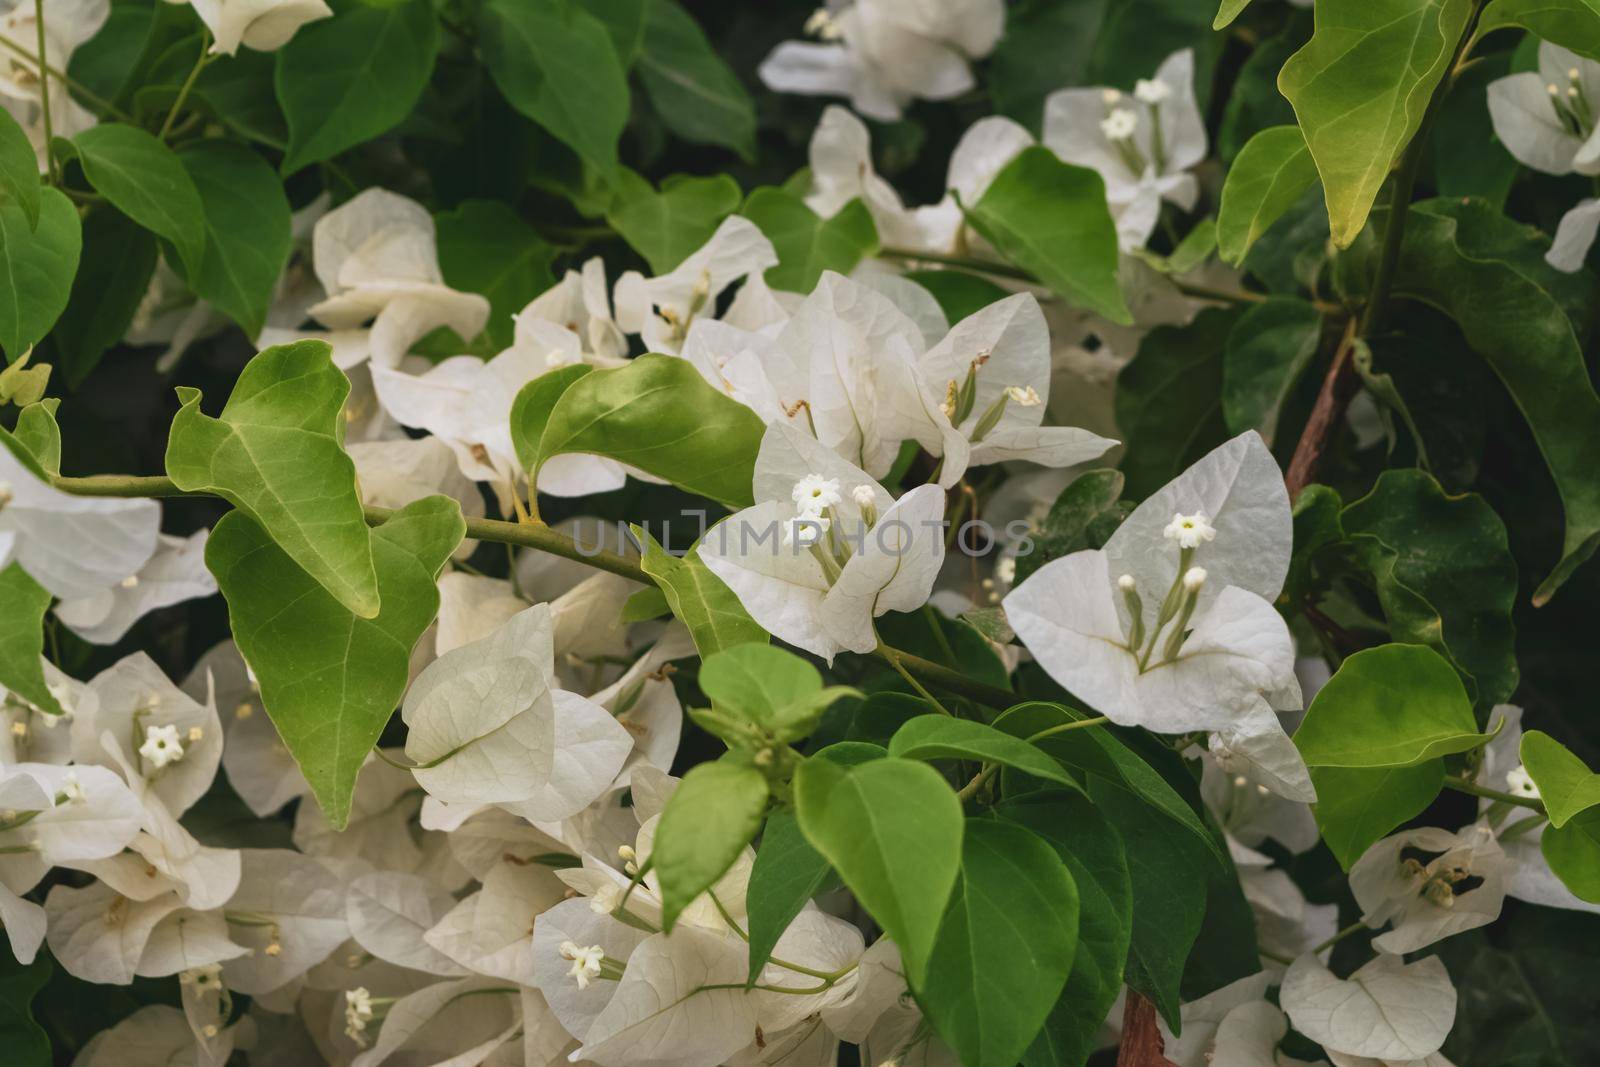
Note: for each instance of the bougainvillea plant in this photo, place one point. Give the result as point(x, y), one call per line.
point(689, 532)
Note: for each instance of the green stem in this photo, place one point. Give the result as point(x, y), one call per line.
point(883, 651)
point(1076, 724)
point(542, 538)
point(970, 790)
point(1353, 928)
point(44, 93)
point(188, 84)
point(1461, 785)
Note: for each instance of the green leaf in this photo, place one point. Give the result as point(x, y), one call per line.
point(1359, 88)
point(1358, 807)
point(1445, 576)
point(625, 21)
point(694, 92)
point(1165, 869)
point(892, 828)
point(37, 265)
point(1095, 750)
point(240, 94)
point(22, 638)
point(145, 180)
point(1085, 515)
point(1268, 350)
point(487, 248)
point(1168, 399)
point(699, 599)
point(658, 414)
point(1050, 218)
point(25, 1041)
point(959, 294)
point(714, 813)
point(19, 168)
point(666, 227)
point(1485, 272)
point(556, 64)
point(1005, 947)
point(36, 430)
point(1566, 785)
point(330, 679)
point(1573, 24)
point(1573, 852)
point(806, 243)
point(1271, 173)
point(932, 737)
point(275, 454)
point(345, 80)
point(770, 687)
point(248, 240)
point(1229, 11)
point(1391, 706)
point(1382, 388)
point(119, 256)
point(530, 411)
point(787, 873)
point(1092, 850)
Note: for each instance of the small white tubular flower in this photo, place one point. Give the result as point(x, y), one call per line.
point(357, 1013)
point(1190, 530)
point(863, 496)
point(202, 977)
point(1194, 578)
point(161, 746)
point(1152, 92)
point(585, 961)
point(805, 531)
point(1026, 396)
point(1520, 782)
point(813, 494)
point(1120, 125)
point(1110, 97)
point(71, 788)
point(1127, 584)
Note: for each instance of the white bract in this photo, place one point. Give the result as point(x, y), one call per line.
point(1143, 144)
point(1387, 1010)
point(67, 25)
point(487, 726)
point(264, 25)
point(378, 263)
point(175, 572)
point(820, 589)
point(74, 546)
point(1546, 119)
point(1151, 633)
point(883, 54)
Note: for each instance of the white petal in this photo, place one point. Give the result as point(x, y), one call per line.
point(389, 913)
point(892, 569)
point(574, 921)
point(1574, 236)
point(1526, 123)
point(435, 1024)
point(491, 931)
point(781, 586)
point(590, 748)
point(306, 904)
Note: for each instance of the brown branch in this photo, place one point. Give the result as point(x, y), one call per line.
point(1141, 1044)
point(1339, 387)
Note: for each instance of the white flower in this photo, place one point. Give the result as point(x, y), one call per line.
point(1151, 91)
point(585, 961)
point(72, 789)
point(68, 24)
point(1546, 118)
point(814, 494)
point(1575, 234)
point(1429, 884)
point(662, 310)
point(1120, 125)
point(1026, 396)
point(1173, 659)
point(357, 1013)
point(264, 25)
point(1190, 531)
point(864, 496)
point(1520, 782)
point(883, 54)
point(161, 746)
point(805, 531)
point(1143, 150)
point(1194, 579)
point(824, 596)
point(210, 974)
